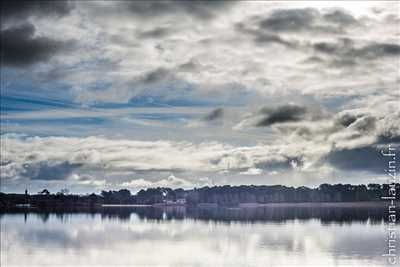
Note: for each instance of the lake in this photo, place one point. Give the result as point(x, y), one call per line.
point(179, 236)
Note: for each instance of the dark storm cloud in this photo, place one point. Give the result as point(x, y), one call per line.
point(24, 9)
point(389, 138)
point(365, 124)
point(359, 122)
point(340, 17)
point(269, 29)
point(156, 76)
point(20, 47)
point(156, 33)
point(189, 66)
point(358, 159)
point(214, 115)
point(365, 158)
point(345, 51)
point(290, 20)
point(346, 119)
point(262, 38)
point(307, 19)
point(272, 38)
point(47, 171)
point(313, 60)
point(199, 9)
point(284, 113)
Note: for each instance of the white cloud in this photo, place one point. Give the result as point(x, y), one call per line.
point(171, 181)
point(252, 171)
point(97, 153)
point(137, 183)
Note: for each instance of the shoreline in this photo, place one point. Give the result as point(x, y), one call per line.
point(358, 204)
point(242, 206)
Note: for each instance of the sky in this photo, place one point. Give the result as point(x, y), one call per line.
point(105, 95)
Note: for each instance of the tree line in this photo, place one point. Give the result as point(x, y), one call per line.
point(217, 195)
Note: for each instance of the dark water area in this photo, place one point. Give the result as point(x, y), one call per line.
point(375, 214)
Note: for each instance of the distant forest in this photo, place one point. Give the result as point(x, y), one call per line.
point(228, 196)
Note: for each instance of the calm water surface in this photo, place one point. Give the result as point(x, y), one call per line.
point(180, 237)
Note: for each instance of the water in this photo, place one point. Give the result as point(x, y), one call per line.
point(181, 237)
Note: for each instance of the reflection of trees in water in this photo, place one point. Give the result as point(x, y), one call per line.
point(44, 216)
point(277, 214)
point(272, 214)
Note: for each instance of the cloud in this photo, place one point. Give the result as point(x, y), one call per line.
point(157, 32)
point(277, 26)
point(227, 59)
point(38, 8)
point(52, 154)
point(285, 113)
point(366, 158)
point(160, 49)
point(289, 20)
point(87, 180)
point(306, 19)
point(44, 170)
point(300, 144)
point(352, 139)
point(21, 47)
point(261, 37)
point(389, 128)
point(214, 115)
point(340, 17)
point(270, 115)
point(203, 10)
point(252, 171)
point(266, 38)
point(156, 76)
point(189, 66)
point(171, 181)
point(345, 50)
point(345, 118)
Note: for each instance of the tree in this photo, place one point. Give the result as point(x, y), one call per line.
point(44, 192)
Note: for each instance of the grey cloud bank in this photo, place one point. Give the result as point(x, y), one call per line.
point(23, 48)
